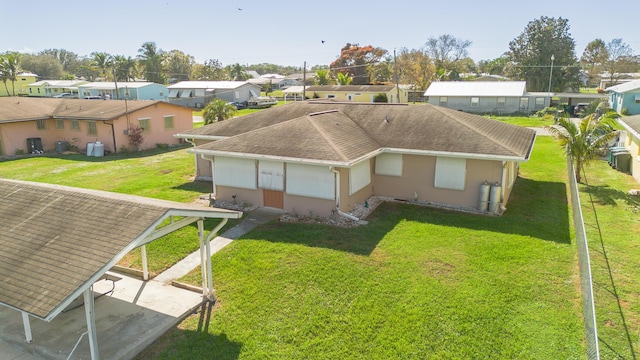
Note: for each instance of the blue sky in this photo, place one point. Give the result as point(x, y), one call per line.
point(291, 32)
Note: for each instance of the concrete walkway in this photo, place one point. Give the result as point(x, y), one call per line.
point(254, 218)
point(132, 314)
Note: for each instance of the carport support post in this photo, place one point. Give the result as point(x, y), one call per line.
point(27, 327)
point(145, 267)
point(89, 309)
point(203, 266)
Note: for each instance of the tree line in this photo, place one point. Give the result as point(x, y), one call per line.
point(543, 55)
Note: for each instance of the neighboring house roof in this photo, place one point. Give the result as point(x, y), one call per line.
point(625, 87)
point(208, 85)
point(57, 241)
point(252, 73)
point(109, 85)
point(477, 88)
point(58, 83)
point(16, 109)
point(631, 124)
point(342, 134)
point(358, 88)
point(294, 90)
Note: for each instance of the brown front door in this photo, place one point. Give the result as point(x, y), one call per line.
point(273, 198)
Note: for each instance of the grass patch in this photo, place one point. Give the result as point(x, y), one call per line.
point(527, 121)
point(612, 222)
point(416, 283)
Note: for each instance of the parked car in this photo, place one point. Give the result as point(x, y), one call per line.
point(65, 95)
point(579, 109)
point(239, 105)
point(93, 97)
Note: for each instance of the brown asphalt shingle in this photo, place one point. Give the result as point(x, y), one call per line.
point(418, 127)
point(54, 239)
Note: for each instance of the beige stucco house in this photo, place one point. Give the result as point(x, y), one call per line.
point(322, 156)
point(41, 124)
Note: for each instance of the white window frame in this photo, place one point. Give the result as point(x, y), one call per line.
point(443, 101)
point(501, 101)
point(475, 101)
point(450, 173)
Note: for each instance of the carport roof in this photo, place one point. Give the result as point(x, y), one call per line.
point(56, 241)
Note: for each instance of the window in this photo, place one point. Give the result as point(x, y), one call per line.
point(475, 101)
point(389, 164)
point(234, 172)
point(450, 173)
point(524, 104)
point(41, 124)
point(310, 180)
point(237, 94)
point(145, 124)
point(359, 176)
point(75, 125)
point(92, 128)
point(271, 175)
point(330, 96)
point(539, 103)
point(30, 91)
point(637, 99)
point(38, 90)
point(59, 124)
point(161, 93)
point(502, 101)
point(443, 101)
point(168, 122)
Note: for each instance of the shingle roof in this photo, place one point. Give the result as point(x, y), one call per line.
point(57, 240)
point(631, 123)
point(477, 88)
point(282, 132)
point(13, 109)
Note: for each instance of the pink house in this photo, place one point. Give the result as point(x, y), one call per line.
point(29, 125)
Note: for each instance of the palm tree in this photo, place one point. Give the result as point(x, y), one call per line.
point(322, 77)
point(584, 142)
point(343, 79)
point(9, 68)
point(218, 110)
point(236, 72)
point(124, 68)
point(151, 58)
point(103, 62)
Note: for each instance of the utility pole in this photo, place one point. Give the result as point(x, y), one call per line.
point(304, 81)
point(395, 73)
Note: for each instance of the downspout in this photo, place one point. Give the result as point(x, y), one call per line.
point(351, 217)
point(195, 156)
point(113, 136)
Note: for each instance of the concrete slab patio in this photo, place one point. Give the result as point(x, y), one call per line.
point(130, 313)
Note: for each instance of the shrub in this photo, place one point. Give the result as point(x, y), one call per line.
point(135, 136)
point(162, 146)
point(380, 98)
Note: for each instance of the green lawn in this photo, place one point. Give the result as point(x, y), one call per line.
point(612, 222)
point(415, 283)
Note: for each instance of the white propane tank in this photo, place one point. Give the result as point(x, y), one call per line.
point(494, 198)
point(484, 196)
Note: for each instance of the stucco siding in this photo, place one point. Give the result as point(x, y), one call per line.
point(348, 202)
point(417, 182)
